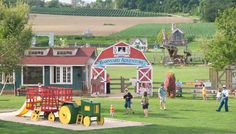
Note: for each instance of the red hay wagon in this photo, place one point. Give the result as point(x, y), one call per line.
point(46, 99)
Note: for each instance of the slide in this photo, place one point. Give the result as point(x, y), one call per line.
point(22, 111)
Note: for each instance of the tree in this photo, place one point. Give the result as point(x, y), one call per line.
point(53, 3)
point(222, 48)
point(210, 9)
point(15, 36)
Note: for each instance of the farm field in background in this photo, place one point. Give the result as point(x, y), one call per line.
point(99, 26)
point(183, 115)
point(94, 12)
point(191, 30)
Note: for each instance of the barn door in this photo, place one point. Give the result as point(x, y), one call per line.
point(98, 80)
point(144, 80)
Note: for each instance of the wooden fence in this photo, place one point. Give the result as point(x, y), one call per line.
point(193, 88)
point(121, 83)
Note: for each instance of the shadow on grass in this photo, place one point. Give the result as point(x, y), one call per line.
point(17, 128)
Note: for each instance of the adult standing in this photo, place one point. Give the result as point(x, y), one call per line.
point(108, 84)
point(224, 99)
point(162, 96)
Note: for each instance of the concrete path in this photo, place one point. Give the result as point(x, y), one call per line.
point(109, 123)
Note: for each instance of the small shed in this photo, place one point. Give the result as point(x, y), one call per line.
point(63, 67)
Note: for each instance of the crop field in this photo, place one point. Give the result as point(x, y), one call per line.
point(195, 30)
point(99, 26)
point(94, 12)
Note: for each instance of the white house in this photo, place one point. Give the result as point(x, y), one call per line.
point(140, 43)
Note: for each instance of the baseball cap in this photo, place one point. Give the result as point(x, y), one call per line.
point(224, 86)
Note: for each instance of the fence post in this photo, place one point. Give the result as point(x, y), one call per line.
point(122, 84)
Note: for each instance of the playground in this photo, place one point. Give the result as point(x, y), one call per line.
point(60, 110)
point(183, 115)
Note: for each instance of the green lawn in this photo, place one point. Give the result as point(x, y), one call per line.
point(183, 115)
point(182, 73)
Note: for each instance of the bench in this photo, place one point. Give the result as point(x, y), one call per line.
point(21, 91)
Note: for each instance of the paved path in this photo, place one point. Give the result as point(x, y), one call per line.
point(109, 123)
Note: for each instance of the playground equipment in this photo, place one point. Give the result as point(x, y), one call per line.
point(172, 43)
point(51, 100)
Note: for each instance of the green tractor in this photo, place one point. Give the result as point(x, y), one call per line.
point(81, 112)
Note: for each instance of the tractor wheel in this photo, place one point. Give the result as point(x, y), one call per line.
point(100, 121)
point(45, 115)
point(67, 114)
point(34, 116)
point(87, 121)
point(51, 117)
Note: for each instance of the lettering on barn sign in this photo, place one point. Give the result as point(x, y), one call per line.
point(117, 61)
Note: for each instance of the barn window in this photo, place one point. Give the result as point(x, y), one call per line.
point(121, 50)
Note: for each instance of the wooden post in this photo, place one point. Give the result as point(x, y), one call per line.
point(122, 86)
point(213, 76)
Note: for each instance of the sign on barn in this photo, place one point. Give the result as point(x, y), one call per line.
point(122, 54)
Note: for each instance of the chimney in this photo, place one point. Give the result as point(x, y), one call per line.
point(173, 26)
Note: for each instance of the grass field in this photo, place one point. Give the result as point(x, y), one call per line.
point(182, 73)
point(183, 115)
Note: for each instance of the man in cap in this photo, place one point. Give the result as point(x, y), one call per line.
point(224, 99)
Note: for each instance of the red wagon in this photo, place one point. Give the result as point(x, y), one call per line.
point(46, 99)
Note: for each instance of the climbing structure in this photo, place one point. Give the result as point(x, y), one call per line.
point(172, 43)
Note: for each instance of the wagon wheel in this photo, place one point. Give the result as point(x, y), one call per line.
point(87, 121)
point(34, 116)
point(51, 117)
point(100, 121)
point(45, 115)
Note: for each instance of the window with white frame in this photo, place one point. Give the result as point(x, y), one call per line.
point(61, 75)
point(8, 78)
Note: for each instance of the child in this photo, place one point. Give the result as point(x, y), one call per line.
point(145, 103)
point(218, 95)
point(128, 96)
point(112, 110)
point(204, 96)
point(162, 97)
